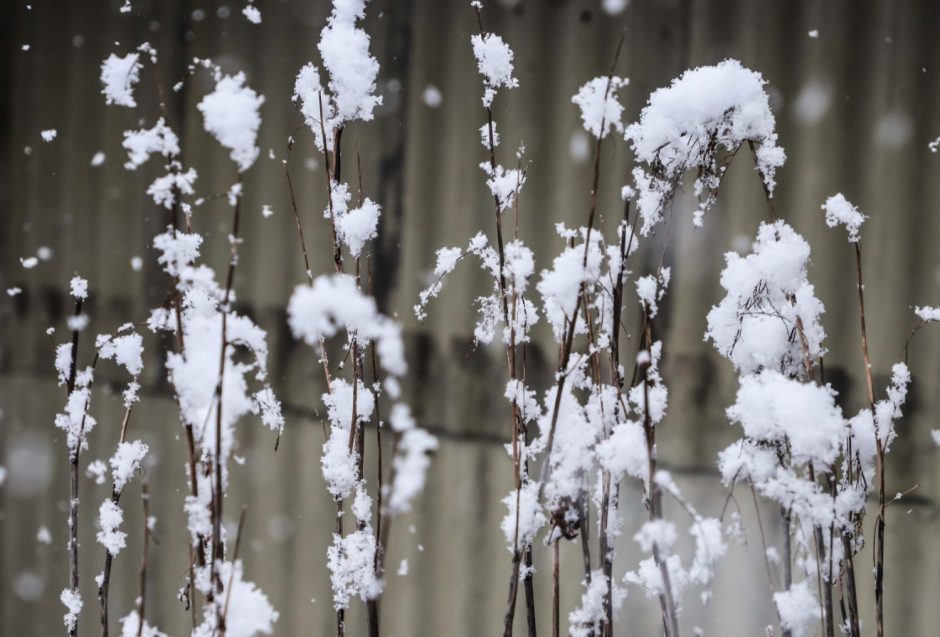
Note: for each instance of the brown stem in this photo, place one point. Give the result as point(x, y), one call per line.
point(145, 498)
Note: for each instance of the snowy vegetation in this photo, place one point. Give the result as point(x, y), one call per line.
point(574, 442)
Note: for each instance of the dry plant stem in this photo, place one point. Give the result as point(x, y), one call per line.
point(880, 520)
point(144, 563)
point(300, 230)
point(555, 600)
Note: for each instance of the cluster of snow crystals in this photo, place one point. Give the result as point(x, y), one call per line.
point(684, 126)
point(709, 548)
point(351, 559)
point(928, 314)
point(127, 351)
point(588, 618)
point(798, 609)
point(358, 225)
point(78, 288)
point(119, 75)
point(571, 456)
point(774, 409)
point(178, 250)
point(560, 286)
point(656, 391)
point(312, 100)
point(63, 361)
point(75, 421)
point(447, 259)
point(650, 289)
point(658, 534)
point(125, 461)
point(505, 185)
point(411, 460)
point(333, 303)
point(531, 516)
point(130, 627)
point(888, 409)
point(756, 325)
point(141, 144)
point(339, 462)
point(230, 114)
point(494, 61)
point(110, 517)
point(839, 211)
point(162, 189)
point(269, 407)
point(49, 134)
point(624, 451)
point(344, 49)
point(600, 108)
point(252, 14)
point(248, 611)
point(72, 600)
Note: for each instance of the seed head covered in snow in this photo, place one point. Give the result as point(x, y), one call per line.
point(494, 61)
point(345, 52)
point(684, 125)
point(756, 324)
point(839, 211)
point(600, 108)
point(230, 114)
point(119, 75)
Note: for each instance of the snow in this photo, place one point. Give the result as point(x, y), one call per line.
point(773, 408)
point(49, 134)
point(411, 464)
point(614, 7)
point(266, 211)
point(43, 536)
point(934, 434)
point(359, 225)
point(248, 611)
point(130, 627)
point(431, 96)
point(252, 14)
point(339, 462)
point(495, 63)
point(110, 517)
point(351, 563)
point(599, 106)
point(755, 325)
point(531, 516)
point(29, 262)
point(344, 49)
point(587, 619)
point(141, 144)
point(72, 600)
point(98, 159)
point(78, 288)
point(684, 125)
point(798, 609)
point(839, 211)
point(230, 114)
point(126, 351)
point(97, 471)
point(118, 77)
point(14, 291)
point(928, 314)
point(125, 461)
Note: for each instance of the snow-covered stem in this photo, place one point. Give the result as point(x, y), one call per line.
point(74, 473)
point(296, 211)
point(879, 553)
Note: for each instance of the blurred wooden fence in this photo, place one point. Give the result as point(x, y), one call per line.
point(856, 107)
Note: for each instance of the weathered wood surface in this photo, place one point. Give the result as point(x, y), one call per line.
point(873, 69)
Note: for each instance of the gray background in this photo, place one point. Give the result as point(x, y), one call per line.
point(855, 109)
